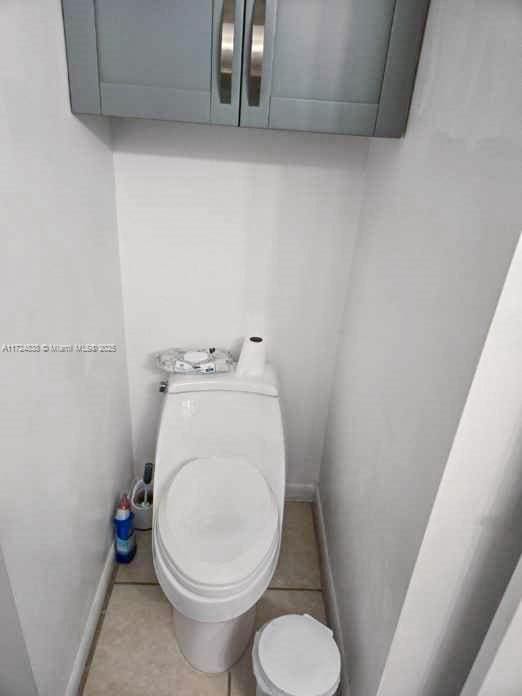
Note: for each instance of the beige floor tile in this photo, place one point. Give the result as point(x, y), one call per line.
point(137, 653)
point(274, 603)
point(298, 566)
point(141, 568)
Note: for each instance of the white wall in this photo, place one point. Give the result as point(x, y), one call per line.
point(505, 675)
point(472, 542)
point(225, 232)
point(442, 212)
point(498, 667)
point(64, 433)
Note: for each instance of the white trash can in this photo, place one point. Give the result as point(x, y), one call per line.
point(295, 655)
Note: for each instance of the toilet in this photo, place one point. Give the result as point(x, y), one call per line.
point(219, 483)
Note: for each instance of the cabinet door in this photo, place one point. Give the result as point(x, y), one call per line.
point(166, 59)
point(318, 65)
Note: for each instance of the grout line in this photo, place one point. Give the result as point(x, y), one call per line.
point(137, 582)
point(229, 683)
point(296, 589)
point(97, 632)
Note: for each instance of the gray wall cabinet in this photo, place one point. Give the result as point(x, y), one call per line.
point(335, 66)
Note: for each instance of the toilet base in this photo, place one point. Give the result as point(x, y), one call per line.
point(214, 647)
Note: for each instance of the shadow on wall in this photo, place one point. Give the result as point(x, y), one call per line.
point(486, 581)
point(97, 126)
point(199, 141)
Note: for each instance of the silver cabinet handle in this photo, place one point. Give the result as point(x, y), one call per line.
point(257, 48)
point(226, 51)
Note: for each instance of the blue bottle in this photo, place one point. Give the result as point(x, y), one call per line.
point(124, 536)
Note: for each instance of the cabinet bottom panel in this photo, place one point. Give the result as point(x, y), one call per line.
point(143, 101)
point(353, 118)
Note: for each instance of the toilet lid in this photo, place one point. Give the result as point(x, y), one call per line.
point(218, 520)
point(296, 655)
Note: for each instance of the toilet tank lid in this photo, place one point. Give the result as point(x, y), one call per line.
point(266, 384)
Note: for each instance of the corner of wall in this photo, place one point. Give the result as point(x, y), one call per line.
point(330, 595)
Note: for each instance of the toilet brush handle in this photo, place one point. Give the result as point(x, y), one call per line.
point(147, 473)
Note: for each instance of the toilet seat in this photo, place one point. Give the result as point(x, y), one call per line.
point(217, 525)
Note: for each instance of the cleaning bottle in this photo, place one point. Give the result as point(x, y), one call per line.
point(124, 536)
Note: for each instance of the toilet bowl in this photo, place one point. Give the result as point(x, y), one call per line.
point(219, 481)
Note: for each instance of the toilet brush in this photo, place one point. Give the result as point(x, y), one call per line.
point(141, 497)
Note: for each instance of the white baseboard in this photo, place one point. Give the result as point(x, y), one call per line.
point(304, 492)
point(90, 625)
point(330, 597)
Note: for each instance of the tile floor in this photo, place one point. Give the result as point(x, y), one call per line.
point(135, 651)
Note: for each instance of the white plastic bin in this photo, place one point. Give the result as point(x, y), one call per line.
point(295, 655)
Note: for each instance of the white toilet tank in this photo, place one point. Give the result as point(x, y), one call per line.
point(222, 416)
